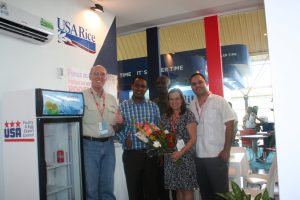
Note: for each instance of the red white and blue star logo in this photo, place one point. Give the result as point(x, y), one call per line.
point(14, 132)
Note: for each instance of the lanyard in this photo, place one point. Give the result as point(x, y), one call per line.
point(100, 110)
point(173, 122)
point(200, 112)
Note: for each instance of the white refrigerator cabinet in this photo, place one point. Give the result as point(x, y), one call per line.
point(42, 147)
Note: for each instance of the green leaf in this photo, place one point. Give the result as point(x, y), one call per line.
point(227, 196)
point(245, 196)
point(258, 196)
point(265, 195)
point(236, 190)
point(223, 195)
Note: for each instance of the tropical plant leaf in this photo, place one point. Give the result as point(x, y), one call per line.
point(258, 197)
point(227, 196)
point(246, 196)
point(265, 195)
point(244, 193)
point(223, 195)
point(240, 194)
point(236, 190)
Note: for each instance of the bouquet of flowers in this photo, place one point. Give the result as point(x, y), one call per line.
point(159, 140)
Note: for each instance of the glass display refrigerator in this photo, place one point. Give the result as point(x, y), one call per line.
point(42, 145)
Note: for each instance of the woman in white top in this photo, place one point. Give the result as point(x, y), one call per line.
point(249, 120)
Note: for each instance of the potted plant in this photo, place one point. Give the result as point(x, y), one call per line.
point(239, 194)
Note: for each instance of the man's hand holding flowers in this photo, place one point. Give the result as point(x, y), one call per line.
point(159, 140)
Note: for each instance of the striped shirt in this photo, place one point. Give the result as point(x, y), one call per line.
point(133, 112)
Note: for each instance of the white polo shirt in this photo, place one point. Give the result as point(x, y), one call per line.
point(211, 118)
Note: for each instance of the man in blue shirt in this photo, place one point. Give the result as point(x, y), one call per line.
point(140, 170)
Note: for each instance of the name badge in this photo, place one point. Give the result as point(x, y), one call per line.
point(103, 128)
point(180, 144)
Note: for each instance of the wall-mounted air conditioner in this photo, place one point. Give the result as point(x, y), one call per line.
point(23, 25)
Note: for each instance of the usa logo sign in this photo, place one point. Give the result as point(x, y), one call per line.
point(75, 36)
point(17, 131)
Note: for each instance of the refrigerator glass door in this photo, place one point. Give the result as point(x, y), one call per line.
point(63, 161)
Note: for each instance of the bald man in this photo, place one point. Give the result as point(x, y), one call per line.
point(100, 115)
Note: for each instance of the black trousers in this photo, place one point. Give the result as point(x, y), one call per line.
point(141, 174)
point(212, 177)
point(163, 193)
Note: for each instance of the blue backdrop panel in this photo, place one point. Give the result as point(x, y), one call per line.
point(108, 54)
point(180, 66)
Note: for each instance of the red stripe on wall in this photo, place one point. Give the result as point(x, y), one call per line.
point(19, 140)
point(213, 55)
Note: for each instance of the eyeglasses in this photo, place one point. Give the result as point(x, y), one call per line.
point(98, 74)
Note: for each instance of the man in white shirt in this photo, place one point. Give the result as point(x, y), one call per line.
point(235, 126)
point(214, 137)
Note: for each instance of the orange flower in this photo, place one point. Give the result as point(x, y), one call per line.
point(160, 141)
point(147, 129)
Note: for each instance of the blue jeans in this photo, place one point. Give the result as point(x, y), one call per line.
point(99, 164)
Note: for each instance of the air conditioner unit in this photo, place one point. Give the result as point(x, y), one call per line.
point(23, 25)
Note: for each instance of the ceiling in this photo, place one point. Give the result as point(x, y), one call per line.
point(181, 25)
point(248, 28)
point(137, 15)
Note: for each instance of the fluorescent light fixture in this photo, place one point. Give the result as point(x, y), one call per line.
point(98, 8)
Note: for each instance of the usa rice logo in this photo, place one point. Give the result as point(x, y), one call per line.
point(75, 36)
point(16, 131)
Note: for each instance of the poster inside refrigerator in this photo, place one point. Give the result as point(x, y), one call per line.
point(42, 147)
